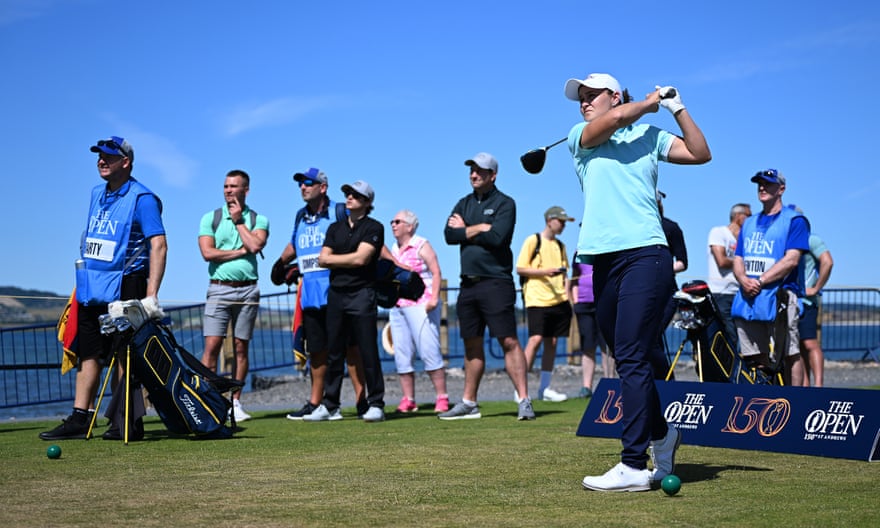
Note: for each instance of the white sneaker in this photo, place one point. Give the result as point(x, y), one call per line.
point(551, 395)
point(620, 478)
point(374, 414)
point(321, 414)
point(238, 412)
point(663, 454)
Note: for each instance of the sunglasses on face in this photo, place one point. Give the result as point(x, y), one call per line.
point(110, 158)
point(397, 221)
point(308, 183)
point(356, 196)
point(485, 173)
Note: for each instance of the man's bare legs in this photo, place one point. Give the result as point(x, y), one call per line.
point(474, 366)
point(794, 370)
point(515, 364)
point(814, 362)
point(213, 345)
point(87, 384)
point(531, 350)
point(242, 363)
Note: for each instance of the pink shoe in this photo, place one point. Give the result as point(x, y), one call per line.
point(407, 406)
point(442, 404)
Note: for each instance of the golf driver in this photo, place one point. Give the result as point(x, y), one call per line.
point(533, 160)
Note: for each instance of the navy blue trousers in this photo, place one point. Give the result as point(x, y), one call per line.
point(632, 290)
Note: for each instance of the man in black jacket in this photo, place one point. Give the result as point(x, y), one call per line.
point(481, 224)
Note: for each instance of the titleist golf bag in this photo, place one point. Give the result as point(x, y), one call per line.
point(187, 395)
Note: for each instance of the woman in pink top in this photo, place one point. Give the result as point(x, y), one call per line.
point(415, 325)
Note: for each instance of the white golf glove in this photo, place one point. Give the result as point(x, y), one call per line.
point(670, 102)
point(151, 306)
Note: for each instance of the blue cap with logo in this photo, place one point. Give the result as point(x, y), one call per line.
point(769, 176)
point(115, 146)
point(313, 174)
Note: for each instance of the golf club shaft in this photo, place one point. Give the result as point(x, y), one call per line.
point(554, 144)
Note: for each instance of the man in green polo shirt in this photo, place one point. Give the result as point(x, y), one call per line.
point(229, 239)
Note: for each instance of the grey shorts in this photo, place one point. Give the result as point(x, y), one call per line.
point(755, 337)
point(225, 304)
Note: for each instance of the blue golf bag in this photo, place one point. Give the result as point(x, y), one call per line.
point(187, 396)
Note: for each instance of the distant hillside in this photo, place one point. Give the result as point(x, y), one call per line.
point(20, 306)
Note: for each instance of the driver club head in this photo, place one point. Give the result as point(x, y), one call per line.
point(533, 160)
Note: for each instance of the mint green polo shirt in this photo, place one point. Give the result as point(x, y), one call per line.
point(226, 237)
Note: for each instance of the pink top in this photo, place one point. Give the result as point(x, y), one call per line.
point(408, 255)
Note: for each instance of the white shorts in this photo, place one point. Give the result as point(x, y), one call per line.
point(414, 329)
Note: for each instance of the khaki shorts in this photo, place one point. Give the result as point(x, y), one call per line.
point(755, 337)
point(238, 304)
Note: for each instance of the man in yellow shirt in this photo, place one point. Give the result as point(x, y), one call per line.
point(543, 269)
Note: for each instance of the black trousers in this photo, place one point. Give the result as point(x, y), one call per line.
point(351, 318)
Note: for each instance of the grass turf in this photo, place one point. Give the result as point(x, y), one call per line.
point(413, 470)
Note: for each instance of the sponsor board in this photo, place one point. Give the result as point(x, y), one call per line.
point(828, 422)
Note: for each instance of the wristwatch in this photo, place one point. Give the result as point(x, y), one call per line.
point(240, 221)
point(760, 282)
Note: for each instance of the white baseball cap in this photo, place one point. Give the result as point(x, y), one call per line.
point(593, 80)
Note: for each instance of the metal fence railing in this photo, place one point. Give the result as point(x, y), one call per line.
point(851, 322)
point(30, 356)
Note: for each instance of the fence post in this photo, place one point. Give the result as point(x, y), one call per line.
point(444, 323)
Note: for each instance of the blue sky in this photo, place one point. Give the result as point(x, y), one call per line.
point(400, 93)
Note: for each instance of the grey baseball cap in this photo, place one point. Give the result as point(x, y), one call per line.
point(483, 160)
point(360, 187)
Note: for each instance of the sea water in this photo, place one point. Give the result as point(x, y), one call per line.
point(35, 392)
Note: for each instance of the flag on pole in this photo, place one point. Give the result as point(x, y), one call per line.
point(299, 341)
point(67, 330)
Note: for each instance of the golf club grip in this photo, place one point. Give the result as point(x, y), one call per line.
point(670, 94)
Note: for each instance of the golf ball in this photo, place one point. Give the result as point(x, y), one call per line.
point(670, 484)
point(53, 452)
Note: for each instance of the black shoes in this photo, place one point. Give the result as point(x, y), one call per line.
point(135, 433)
point(308, 408)
point(74, 427)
